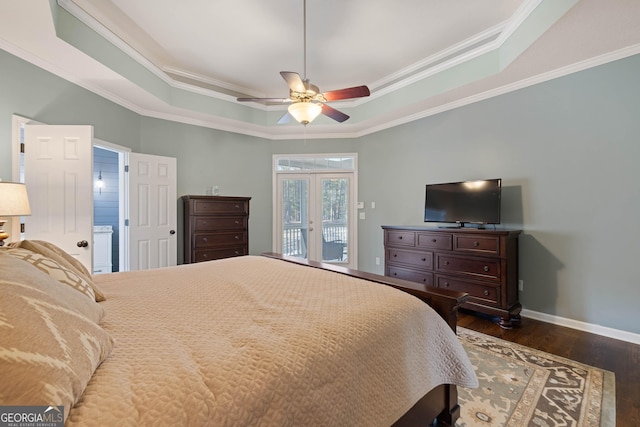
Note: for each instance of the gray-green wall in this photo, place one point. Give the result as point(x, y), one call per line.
point(567, 150)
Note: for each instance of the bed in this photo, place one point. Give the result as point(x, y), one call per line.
point(245, 341)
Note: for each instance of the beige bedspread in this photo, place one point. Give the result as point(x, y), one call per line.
point(253, 341)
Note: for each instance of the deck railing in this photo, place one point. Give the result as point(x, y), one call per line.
point(294, 238)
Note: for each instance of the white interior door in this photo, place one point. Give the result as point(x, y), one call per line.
point(58, 173)
point(152, 211)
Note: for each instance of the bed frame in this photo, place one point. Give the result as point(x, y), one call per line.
point(440, 405)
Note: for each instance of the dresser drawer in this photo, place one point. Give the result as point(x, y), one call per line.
point(417, 259)
point(225, 238)
point(478, 267)
point(440, 241)
point(200, 255)
point(489, 245)
point(411, 275)
point(206, 223)
point(400, 238)
point(203, 207)
point(487, 293)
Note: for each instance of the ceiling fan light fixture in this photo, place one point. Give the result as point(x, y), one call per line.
point(305, 112)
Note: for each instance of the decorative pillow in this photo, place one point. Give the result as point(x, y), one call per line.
point(63, 258)
point(55, 270)
point(19, 271)
point(48, 352)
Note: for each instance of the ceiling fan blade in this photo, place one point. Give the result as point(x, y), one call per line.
point(286, 118)
point(294, 81)
point(351, 92)
point(336, 115)
point(265, 101)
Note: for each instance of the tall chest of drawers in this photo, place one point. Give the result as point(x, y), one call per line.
point(215, 227)
point(483, 263)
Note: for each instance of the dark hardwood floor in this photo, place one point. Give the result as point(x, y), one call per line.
point(620, 357)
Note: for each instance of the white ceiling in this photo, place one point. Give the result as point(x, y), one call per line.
point(223, 49)
point(246, 43)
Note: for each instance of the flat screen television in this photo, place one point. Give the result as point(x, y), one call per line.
point(472, 202)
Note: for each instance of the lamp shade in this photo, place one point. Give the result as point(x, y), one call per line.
point(13, 199)
point(305, 112)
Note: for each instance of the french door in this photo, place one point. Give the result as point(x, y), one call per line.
point(315, 216)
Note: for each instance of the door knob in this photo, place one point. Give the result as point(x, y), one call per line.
point(82, 244)
point(172, 232)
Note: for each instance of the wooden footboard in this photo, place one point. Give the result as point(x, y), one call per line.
point(445, 302)
point(440, 405)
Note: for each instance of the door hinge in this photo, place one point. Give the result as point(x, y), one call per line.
point(22, 147)
point(22, 227)
point(126, 168)
point(126, 222)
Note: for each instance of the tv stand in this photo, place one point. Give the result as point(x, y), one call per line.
point(483, 263)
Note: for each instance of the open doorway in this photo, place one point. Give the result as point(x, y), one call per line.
point(110, 206)
point(106, 211)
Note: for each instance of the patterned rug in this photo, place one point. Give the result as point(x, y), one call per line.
point(520, 386)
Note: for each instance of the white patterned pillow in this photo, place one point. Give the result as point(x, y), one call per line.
point(54, 269)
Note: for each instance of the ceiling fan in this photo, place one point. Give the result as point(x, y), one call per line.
point(307, 102)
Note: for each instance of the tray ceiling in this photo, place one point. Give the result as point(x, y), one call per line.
point(187, 61)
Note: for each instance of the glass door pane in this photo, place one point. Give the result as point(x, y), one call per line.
point(295, 216)
point(314, 211)
point(335, 224)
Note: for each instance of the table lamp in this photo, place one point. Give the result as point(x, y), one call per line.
point(13, 202)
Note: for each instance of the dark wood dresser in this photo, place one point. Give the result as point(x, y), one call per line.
point(215, 227)
point(483, 263)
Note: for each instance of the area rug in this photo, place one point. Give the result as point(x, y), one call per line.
point(521, 386)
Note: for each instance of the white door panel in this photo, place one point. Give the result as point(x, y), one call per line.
point(58, 174)
point(152, 211)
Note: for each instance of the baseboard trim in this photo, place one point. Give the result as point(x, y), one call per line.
point(583, 326)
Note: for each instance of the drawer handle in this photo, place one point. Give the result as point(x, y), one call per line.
point(395, 255)
point(446, 263)
point(486, 293)
point(205, 256)
point(237, 253)
point(237, 206)
point(237, 237)
point(476, 244)
point(400, 237)
point(395, 274)
point(237, 222)
point(204, 222)
point(204, 239)
point(424, 259)
point(446, 284)
point(434, 240)
point(486, 268)
point(424, 279)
